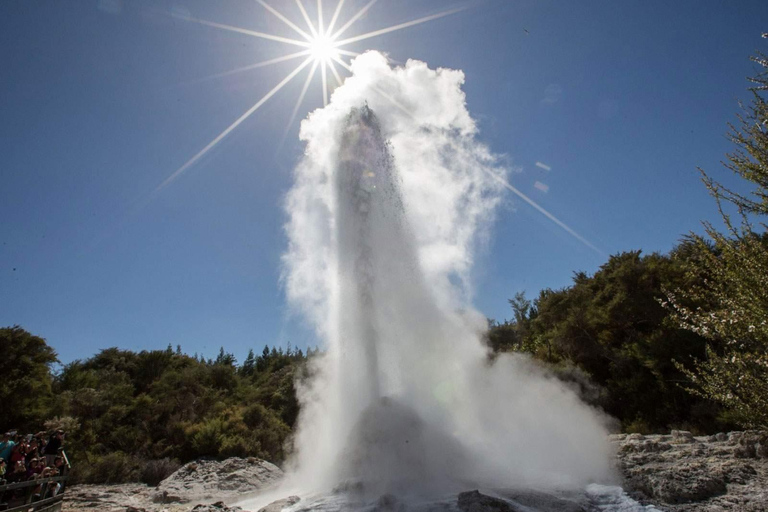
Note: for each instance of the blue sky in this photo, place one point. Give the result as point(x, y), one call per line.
point(101, 102)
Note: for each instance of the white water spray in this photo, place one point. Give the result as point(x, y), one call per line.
point(392, 198)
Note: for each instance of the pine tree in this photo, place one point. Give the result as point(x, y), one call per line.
point(262, 363)
point(225, 358)
point(249, 365)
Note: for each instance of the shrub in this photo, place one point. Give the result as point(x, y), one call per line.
point(155, 471)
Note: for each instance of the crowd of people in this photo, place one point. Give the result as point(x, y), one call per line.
point(33, 457)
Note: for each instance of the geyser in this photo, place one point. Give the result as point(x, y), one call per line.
point(392, 197)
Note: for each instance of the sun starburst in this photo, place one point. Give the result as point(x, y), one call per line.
point(322, 47)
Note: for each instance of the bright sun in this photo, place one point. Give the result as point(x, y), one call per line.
point(321, 49)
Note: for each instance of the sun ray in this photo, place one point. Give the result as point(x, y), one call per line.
point(340, 61)
point(346, 52)
point(335, 72)
point(499, 179)
point(306, 18)
point(320, 29)
point(284, 20)
point(189, 163)
point(400, 26)
point(262, 64)
point(335, 17)
point(544, 212)
point(298, 102)
point(324, 72)
point(353, 19)
point(253, 33)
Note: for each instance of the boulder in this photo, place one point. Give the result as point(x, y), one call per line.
point(473, 501)
point(220, 479)
point(219, 506)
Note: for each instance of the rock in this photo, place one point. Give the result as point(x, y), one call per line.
point(220, 479)
point(685, 488)
point(219, 506)
point(687, 474)
point(389, 503)
point(682, 436)
point(752, 445)
point(552, 501)
point(279, 505)
point(165, 497)
point(645, 446)
point(473, 501)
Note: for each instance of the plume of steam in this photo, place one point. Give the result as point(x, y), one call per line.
point(440, 415)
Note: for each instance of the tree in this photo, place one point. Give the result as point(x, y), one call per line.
point(249, 365)
point(225, 358)
point(25, 386)
point(608, 335)
point(729, 306)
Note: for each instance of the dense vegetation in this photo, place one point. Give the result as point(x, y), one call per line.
point(135, 416)
point(611, 336)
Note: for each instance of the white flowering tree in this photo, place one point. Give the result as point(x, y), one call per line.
point(728, 302)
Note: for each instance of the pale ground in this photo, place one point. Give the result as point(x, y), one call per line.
point(676, 472)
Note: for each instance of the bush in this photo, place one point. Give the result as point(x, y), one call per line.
point(155, 471)
point(115, 467)
point(207, 437)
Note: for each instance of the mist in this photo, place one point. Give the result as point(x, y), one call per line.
point(392, 200)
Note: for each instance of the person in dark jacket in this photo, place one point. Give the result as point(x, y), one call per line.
point(53, 447)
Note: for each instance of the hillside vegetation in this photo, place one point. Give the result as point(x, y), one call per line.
point(135, 416)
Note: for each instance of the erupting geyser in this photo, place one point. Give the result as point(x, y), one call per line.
point(389, 202)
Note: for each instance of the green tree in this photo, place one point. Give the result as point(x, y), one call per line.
point(608, 335)
point(729, 306)
point(25, 386)
point(249, 365)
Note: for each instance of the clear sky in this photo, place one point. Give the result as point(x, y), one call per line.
point(100, 102)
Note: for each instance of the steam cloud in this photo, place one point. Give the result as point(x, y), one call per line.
point(440, 415)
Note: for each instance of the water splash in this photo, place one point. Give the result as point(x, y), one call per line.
point(389, 204)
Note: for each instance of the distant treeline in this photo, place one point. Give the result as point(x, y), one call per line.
point(136, 416)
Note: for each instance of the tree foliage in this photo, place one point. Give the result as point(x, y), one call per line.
point(731, 291)
point(25, 386)
point(137, 415)
point(609, 335)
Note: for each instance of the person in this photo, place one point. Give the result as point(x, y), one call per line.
point(19, 473)
point(6, 446)
point(18, 453)
point(59, 466)
point(53, 447)
point(3, 467)
point(34, 468)
point(52, 488)
point(32, 450)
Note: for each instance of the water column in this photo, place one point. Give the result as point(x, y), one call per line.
point(364, 174)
